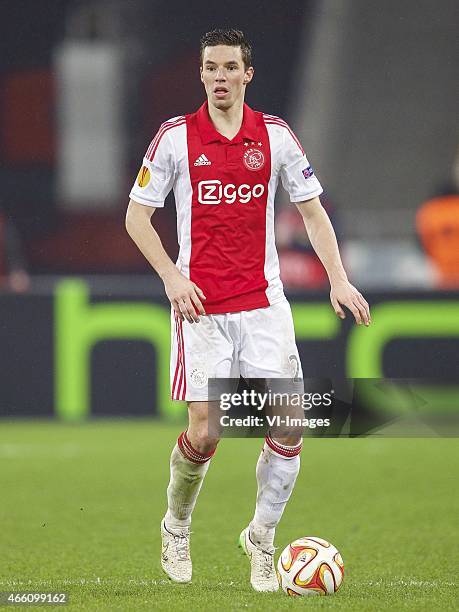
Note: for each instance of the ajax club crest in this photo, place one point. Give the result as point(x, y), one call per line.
point(253, 158)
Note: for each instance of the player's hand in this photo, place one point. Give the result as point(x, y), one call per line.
point(185, 297)
point(344, 294)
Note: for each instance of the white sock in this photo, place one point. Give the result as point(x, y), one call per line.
point(188, 468)
point(277, 469)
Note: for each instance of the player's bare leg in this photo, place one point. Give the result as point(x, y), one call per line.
point(277, 470)
point(190, 460)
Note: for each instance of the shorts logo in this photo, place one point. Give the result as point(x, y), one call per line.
point(198, 378)
point(143, 178)
point(214, 192)
point(253, 159)
point(308, 172)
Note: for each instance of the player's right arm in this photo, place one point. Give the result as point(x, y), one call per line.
point(154, 181)
point(183, 294)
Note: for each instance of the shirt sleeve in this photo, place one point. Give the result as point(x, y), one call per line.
point(156, 176)
point(297, 174)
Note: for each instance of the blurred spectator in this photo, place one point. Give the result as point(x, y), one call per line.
point(13, 273)
point(437, 223)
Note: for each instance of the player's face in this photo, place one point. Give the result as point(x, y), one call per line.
point(224, 75)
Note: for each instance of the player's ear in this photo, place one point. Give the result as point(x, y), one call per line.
point(200, 74)
point(248, 76)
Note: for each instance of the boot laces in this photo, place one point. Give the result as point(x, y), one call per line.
point(266, 565)
point(181, 544)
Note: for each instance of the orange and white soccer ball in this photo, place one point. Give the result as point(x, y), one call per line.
point(310, 566)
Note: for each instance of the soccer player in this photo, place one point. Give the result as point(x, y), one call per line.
point(229, 315)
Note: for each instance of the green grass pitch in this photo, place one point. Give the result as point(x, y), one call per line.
point(80, 508)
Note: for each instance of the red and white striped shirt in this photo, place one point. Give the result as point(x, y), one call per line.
point(224, 192)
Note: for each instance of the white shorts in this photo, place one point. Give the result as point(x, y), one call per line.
point(256, 343)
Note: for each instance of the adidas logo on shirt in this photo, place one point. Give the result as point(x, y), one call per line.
point(202, 161)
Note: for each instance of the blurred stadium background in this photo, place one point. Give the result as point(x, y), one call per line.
point(370, 88)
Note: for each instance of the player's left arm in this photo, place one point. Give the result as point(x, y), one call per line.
point(323, 239)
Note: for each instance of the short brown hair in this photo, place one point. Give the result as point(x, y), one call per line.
point(231, 38)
